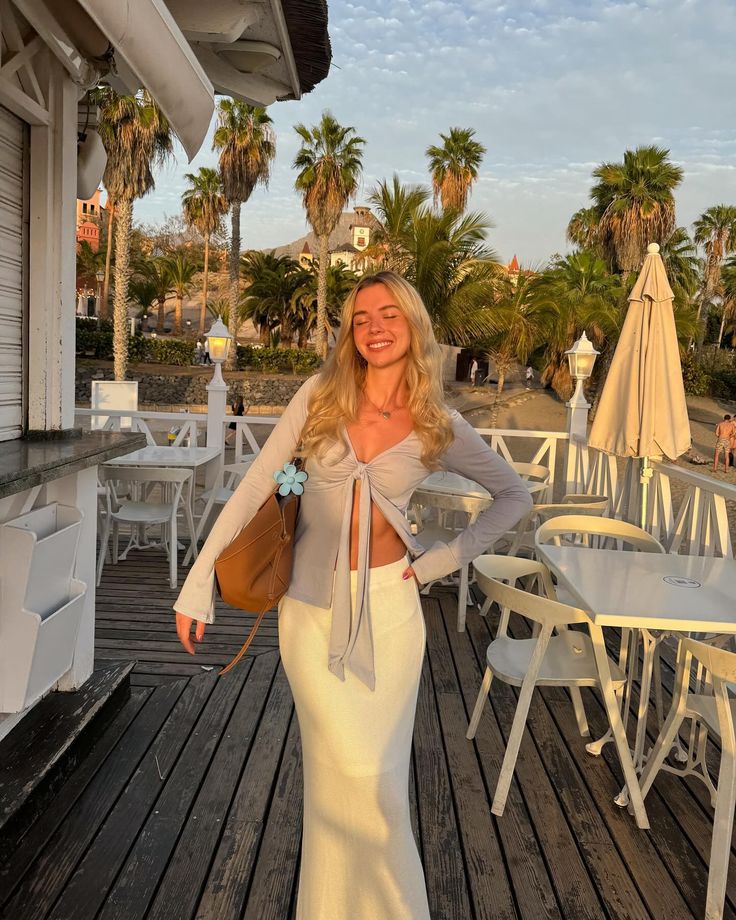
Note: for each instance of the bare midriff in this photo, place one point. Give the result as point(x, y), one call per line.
point(386, 546)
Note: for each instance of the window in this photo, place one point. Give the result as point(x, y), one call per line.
point(84, 207)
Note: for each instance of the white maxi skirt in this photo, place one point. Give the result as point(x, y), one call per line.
point(359, 857)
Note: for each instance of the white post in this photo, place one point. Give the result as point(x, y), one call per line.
point(216, 405)
point(577, 427)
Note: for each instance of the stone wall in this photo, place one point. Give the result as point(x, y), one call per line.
point(187, 386)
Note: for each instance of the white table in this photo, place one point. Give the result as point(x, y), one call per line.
point(187, 457)
point(154, 455)
point(644, 591)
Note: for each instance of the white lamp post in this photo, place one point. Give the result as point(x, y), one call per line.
point(581, 359)
point(218, 341)
point(100, 276)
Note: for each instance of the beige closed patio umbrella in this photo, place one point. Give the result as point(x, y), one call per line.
point(642, 411)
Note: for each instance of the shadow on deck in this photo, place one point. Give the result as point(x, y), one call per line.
point(189, 802)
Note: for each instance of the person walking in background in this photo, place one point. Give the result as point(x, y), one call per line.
point(207, 359)
point(724, 433)
point(198, 352)
point(473, 371)
point(371, 425)
point(529, 376)
point(732, 451)
point(238, 410)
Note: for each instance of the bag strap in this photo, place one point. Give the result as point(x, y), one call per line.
point(247, 642)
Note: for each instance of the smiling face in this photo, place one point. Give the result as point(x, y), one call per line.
point(381, 332)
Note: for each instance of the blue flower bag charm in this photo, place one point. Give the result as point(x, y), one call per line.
point(290, 479)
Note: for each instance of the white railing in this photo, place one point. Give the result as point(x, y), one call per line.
point(545, 453)
point(189, 425)
point(687, 512)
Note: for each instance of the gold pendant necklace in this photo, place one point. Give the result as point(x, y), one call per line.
point(384, 413)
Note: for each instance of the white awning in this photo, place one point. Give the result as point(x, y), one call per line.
point(150, 51)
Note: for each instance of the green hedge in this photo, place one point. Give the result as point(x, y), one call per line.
point(277, 360)
point(697, 380)
point(95, 340)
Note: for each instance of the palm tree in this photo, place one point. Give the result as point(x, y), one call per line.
point(180, 271)
point(636, 205)
point(304, 302)
point(204, 206)
point(518, 321)
point(453, 167)
point(89, 263)
point(156, 273)
point(137, 137)
point(329, 163)
point(394, 207)
point(244, 136)
point(575, 294)
point(715, 231)
point(143, 292)
point(270, 284)
point(582, 230)
point(455, 272)
point(728, 295)
point(683, 267)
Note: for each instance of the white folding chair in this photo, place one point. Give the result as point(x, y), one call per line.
point(434, 514)
point(523, 536)
point(555, 657)
point(140, 511)
point(610, 533)
point(535, 473)
point(228, 480)
point(716, 711)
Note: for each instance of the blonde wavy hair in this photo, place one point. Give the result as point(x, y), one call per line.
point(336, 395)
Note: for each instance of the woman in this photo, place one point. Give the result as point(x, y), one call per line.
point(372, 425)
point(238, 409)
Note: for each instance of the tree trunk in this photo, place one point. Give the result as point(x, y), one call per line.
point(723, 326)
point(232, 358)
point(122, 277)
point(178, 304)
point(102, 312)
point(203, 308)
point(321, 337)
point(497, 401)
point(161, 315)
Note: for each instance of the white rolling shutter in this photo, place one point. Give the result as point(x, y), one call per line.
point(12, 264)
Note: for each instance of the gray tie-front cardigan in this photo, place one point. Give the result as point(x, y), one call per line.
point(322, 544)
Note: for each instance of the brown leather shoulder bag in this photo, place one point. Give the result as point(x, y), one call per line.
point(254, 571)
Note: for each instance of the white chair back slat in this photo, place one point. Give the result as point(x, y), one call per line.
point(597, 530)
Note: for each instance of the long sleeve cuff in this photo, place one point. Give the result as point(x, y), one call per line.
point(436, 562)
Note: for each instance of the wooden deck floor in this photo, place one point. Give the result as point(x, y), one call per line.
point(189, 803)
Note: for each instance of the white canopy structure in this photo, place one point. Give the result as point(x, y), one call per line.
point(183, 51)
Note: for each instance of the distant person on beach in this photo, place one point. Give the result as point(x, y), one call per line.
point(724, 433)
point(733, 442)
point(473, 371)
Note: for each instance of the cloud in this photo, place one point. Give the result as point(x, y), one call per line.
point(552, 88)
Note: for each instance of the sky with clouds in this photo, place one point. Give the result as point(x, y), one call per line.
point(552, 88)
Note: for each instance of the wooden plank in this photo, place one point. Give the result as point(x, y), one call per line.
point(172, 768)
point(681, 831)
point(34, 754)
point(533, 823)
point(226, 885)
point(444, 869)
point(275, 872)
point(665, 896)
point(180, 834)
point(488, 881)
point(41, 887)
point(23, 851)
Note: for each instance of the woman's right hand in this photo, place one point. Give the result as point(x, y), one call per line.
point(184, 630)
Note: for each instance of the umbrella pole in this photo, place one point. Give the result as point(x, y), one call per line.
point(646, 475)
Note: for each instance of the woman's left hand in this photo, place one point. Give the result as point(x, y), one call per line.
point(408, 573)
